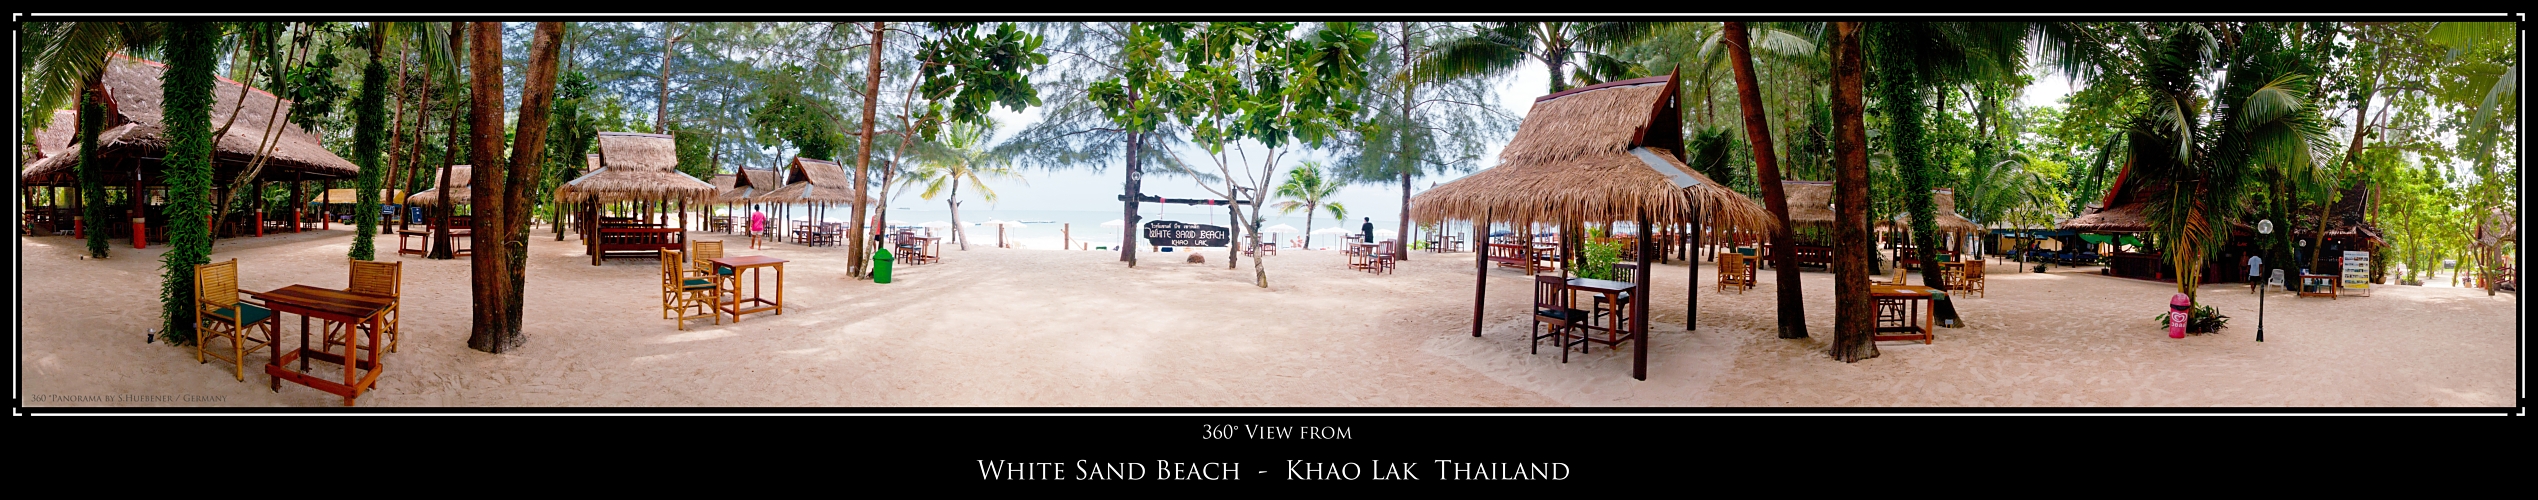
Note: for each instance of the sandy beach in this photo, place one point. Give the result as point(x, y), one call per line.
point(1025, 327)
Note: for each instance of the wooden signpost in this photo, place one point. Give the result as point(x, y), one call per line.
point(1164, 233)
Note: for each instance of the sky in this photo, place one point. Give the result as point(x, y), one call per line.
point(1083, 190)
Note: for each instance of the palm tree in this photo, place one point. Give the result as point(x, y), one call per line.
point(1497, 48)
point(1305, 189)
point(963, 156)
point(72, 61)
point(187, 96)
point(1912, 59)
point(1793, 321)
point(1854, 317)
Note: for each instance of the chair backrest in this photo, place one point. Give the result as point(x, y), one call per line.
point(1974, 270)
point(1731, 263)
point(1550, 292)
point(1899, 275)
point(217, 283)
point(376, 278)
point(672, 262)
point(706, 250)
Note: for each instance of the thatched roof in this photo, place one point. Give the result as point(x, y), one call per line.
point(53, 138)
point(134, 128)
point(1949, 221)
point(1571, 160)
point(2126, 218)
point(721, 182)
point(460, 177)
point(813, 182)
point(1810, 202)
point(632, 166)
point(746, 185)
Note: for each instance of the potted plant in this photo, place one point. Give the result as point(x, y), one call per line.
point(2204, 319)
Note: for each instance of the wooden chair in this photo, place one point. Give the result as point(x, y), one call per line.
point(1731, 272)
point(703, 254)
point(220, 314)
point(1625, 272)
point(1381, 261)
point(1897, 280)
point(1971, 283)
point(374, 278)
point(684, 289)
point(1551, 296)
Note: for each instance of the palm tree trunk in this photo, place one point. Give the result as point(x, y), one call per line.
point(954, 201)
point(440, 231)
point(188, 99)
point(863, 157)
point(1128, 222)
point(1854, 312)
point(501, 189)
point(396, 140)
point(1793, 323)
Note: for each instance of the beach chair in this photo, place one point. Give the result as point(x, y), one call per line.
point(220, 314)
point(1971, 283)
point(373, 278)
point(1551, 307)
point(1625, 272)
point(703, 253)
point(683, 289)
point(1381, 261)
point(1731, 272)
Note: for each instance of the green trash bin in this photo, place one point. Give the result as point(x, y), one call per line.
point(881, 266)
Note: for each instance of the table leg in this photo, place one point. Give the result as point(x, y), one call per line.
point(779, 289)
point(1929, 313)
point(351, 358)
point(303, 343)
point(273, 343)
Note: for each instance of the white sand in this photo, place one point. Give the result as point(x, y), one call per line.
point(1007, 327)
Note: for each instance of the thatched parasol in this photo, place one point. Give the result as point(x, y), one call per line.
point(814, 182)
point(746, 185)
point(1948, 220)
point(459, 180)
point(1571, 161)
point(633, 167)
point(133, 128)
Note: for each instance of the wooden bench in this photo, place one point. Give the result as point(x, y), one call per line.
point(1519, 256)
point(635, 242)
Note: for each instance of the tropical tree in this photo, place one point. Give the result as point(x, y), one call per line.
point(1854, 314)
point(1077, 129)
point(188, 100)
point(1792, 317)
point(1417, 122)
point(501, 185)
point(1304, 189)
point(1912, 59)
point(963, 157)
point(1580, 51)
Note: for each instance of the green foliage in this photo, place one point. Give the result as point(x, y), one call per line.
point(370, 132)
point(1305, 189)
point(786, 114)
point(312, 88)
point(188, 101)
point(973, 70)
point(2204, 319)
point(1595, 259)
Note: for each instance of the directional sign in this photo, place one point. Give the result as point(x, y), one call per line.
point(1164, 233)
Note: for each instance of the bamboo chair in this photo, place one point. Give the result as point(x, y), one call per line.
point(1972, 282)
point(1551, 296)
point(1731, 272)
point(219, 313)
point(1897, 280)
point(704, 253)
point(375, 278)
point(687, 290)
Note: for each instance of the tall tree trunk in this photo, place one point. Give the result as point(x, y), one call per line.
point(863, 155)
point(414, 157)
point(440, 231)
point(661, 108)
point(396, 140)
point(1408, 166)
point(1793, 321)
point(370, 129)
point(954, 200)
point(1128, 222)
point(188, 99)
point(1854, 313)
point(501, 189)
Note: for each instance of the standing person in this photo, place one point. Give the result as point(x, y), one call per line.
point(757, 224)
point(1367, 232)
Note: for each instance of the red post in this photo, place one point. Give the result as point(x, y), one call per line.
point(259, 223)
point(140, 233)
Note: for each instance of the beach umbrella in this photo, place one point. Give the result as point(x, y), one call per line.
point(1384, 233)
point(1281, 230)
point(1333, 231)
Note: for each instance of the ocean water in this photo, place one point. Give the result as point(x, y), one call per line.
point(1050, 229)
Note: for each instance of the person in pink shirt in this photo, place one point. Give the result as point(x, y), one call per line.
point(757, 224)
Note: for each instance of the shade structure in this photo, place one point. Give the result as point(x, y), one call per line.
point(747, 185)
point(635, 167)
point(1572, 160)
point(935, 224)
point(1330, 230)
point(134, 128)
point(344, 196)
point(1948, 220)
point(814, 182)
point(1383, 233)
point(1278, 229)
point(460, 177)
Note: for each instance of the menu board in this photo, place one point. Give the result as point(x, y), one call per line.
point(2357, 272)
point(1164, 233)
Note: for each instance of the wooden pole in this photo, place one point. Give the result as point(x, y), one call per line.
point(140, 210)
point(1480, 274)
point(1692, 268)
point(1639, 304)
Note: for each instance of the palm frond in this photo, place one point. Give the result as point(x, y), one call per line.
point(2274, 101)
point(1487, 52)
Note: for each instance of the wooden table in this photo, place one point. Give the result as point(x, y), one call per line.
point(2334, 283)
point(1361, 255)
point(1895, 312)
point(1620, 328)
point(756, 295)
point(336, 306)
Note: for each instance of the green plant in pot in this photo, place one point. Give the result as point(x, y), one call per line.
point(1595, 259)
point(2205, 319)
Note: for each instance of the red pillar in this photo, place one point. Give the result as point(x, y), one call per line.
point(259, 222)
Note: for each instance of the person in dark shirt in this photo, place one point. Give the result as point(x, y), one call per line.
point(1367, 231)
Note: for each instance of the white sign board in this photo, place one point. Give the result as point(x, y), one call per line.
point(2357, 272)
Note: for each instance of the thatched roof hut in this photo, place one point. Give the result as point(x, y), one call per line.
point(1949, 221)
point(53, 138)
point(134, 129)
point(1572, 160)
point(747, 185)
point(816, 182)
point(1810, 203)
point(460, 177)
point(632, 166)
point(344, 196)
